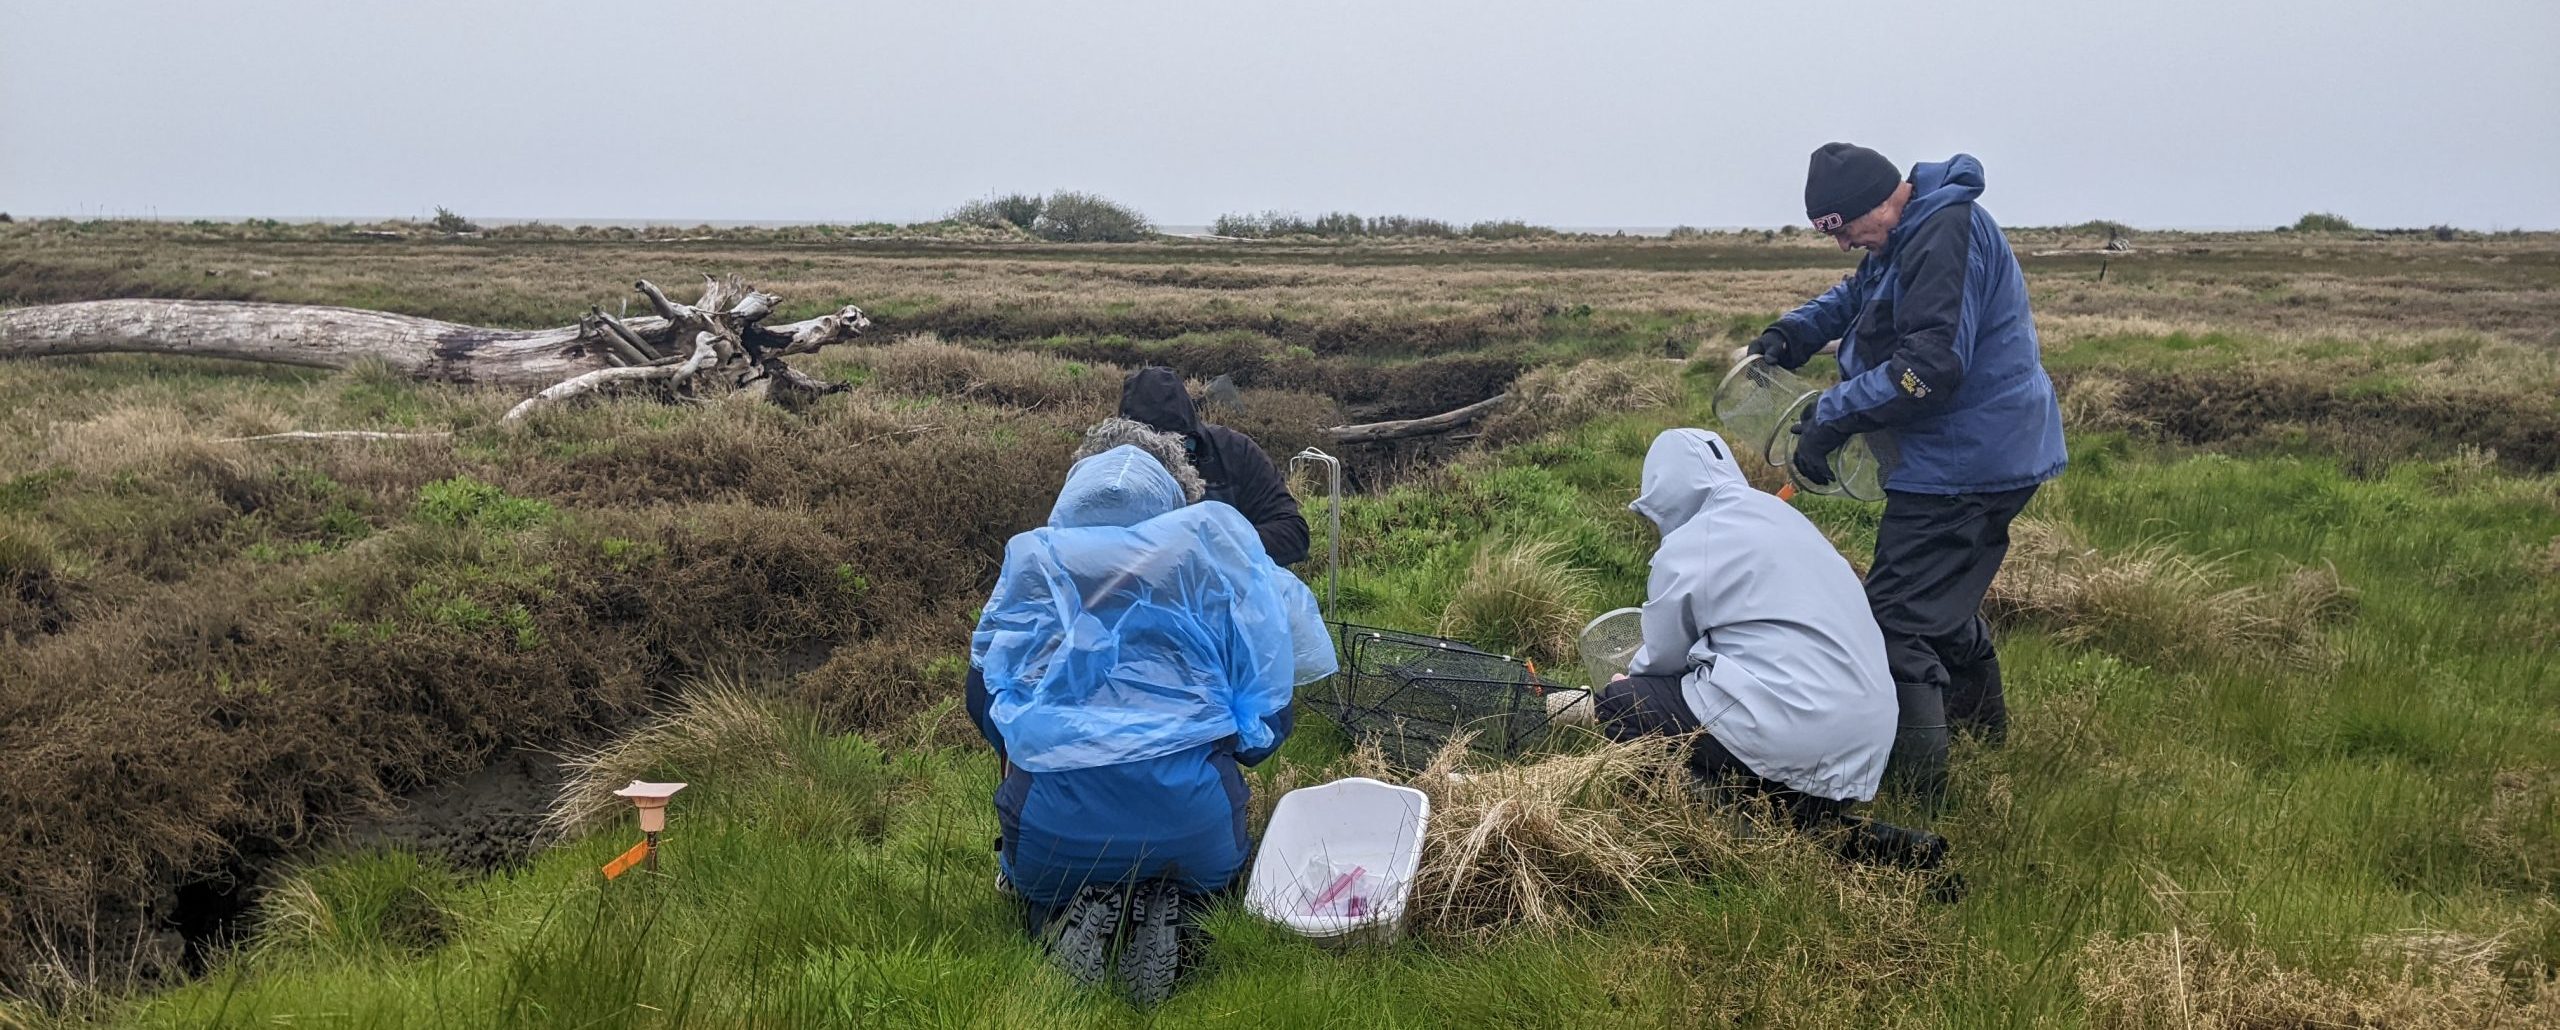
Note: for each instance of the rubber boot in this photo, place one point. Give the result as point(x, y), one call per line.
point(1918, 765)
point(1974, 701)
point(1868, 842)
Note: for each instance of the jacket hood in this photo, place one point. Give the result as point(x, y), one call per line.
point(1122, 486)
point(1154, 395)
point(1682, 469)
point(1937, 184)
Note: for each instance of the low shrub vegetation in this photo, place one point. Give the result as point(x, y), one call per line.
point(1071, 217)
point(1343, 225)
point(1009, 211)
point(447, 221)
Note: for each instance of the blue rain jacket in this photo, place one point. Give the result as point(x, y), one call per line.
point(1939, 361)
point(1133, 653)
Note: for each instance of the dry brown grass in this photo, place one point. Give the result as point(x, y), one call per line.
point(924, 366)
point(1282, 421)
point(1559, 396)
point(1549, 845)
point(1566, 842)
point(2263, 286)
point(2368, 422)
point(122, 438)
point(2153, 600)
point(223, 651)
point(2097, 401)
point(2415, 981)
point(715, 726)
point(2517, 834)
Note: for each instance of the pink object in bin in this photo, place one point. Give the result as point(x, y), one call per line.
point(1337, 862)
point(1340, 884)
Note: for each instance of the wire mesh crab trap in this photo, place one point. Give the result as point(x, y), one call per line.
point(1411, 694)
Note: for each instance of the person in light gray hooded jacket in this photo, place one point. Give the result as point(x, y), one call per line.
point(1757, 632)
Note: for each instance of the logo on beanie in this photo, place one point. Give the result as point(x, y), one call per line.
point(1912, 385)
point(1828, 223)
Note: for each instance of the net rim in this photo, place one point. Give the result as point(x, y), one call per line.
point(1747, 361)
point(1839, 486)
point(1604, 617)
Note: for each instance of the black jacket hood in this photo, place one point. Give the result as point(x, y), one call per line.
point(1154, 395)
point(1237, 471)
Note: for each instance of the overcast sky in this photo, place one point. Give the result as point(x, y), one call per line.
point(1590, 113)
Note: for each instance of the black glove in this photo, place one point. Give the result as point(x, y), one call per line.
point(1771, 346)
point(1814, 444)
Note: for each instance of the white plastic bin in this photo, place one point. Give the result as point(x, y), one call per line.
point(1317, 836)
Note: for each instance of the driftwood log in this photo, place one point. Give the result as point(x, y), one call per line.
point(721, 336)
point(1373, 432)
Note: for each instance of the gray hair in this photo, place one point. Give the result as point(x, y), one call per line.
point(1166, 447)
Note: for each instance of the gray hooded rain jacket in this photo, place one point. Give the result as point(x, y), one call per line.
point(1764, 622)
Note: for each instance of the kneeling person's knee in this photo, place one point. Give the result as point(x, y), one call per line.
point(1639, 706)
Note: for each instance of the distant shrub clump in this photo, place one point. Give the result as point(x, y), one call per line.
point(1071, 217)
point(2322, 221)
point(1334, 225)
point(449, 220)
point(1012, 210)
point(1508, 230)
point(1344, 225)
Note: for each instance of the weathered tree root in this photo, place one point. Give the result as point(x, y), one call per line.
point(720, 336)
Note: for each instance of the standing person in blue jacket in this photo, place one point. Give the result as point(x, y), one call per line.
point(1135, 651)
point(1939, 365)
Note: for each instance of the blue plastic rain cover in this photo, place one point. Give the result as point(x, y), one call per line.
point(1132, 627)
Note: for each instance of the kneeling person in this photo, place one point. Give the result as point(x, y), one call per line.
point(1134, 653)
point(1757, 632)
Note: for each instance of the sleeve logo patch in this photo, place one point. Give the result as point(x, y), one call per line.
point(1912, 385)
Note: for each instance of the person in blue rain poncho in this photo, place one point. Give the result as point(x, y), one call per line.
point(1135, 652)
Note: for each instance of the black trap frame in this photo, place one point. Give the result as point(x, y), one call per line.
point(1411, 694)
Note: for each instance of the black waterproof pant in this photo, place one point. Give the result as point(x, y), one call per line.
point(1639, 706)
point(1935, 556)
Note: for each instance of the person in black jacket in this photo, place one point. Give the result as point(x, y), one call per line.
point(1236, 469)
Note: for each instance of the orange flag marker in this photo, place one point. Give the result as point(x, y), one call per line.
point(622, 863)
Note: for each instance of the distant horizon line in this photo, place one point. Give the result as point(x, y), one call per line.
point(1167, 228)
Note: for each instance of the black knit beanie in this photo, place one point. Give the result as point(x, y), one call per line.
point(1846, 182)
